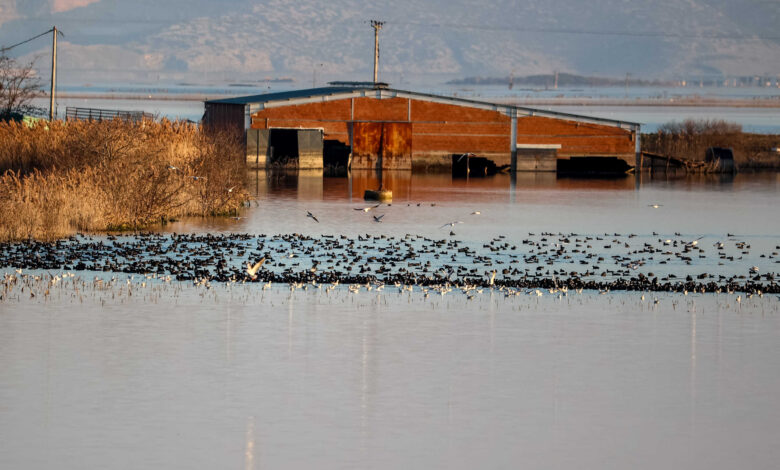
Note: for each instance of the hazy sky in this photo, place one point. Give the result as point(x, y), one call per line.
point(213, 41)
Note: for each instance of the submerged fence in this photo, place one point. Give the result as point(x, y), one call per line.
point(93, 114)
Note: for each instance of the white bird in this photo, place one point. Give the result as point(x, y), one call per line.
point(172, 168)
point(252, 270)
point(694, 242)
point(476, 213)
point(366, 209)
point(655, 206)
point(451, 224)
point(309, 214)
point(492, 277)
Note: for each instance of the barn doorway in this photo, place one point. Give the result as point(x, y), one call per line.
point(295, 148)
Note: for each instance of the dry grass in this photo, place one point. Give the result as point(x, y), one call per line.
point(90, 176)
point(689, 140)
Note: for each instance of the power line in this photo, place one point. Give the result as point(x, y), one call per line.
point(516, 29)
point(457, 26)
point(4, 49)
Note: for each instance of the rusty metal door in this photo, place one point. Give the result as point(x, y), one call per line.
point(385, 145)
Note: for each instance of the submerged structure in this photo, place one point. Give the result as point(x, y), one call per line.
point(370, 126)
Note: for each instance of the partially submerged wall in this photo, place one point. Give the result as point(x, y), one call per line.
point(439, 130)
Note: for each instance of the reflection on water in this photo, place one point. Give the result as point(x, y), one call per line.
point(410, 186)
point(701, 204)
point(239, 376)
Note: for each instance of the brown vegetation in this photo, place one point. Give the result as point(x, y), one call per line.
point(690, 139)
point(63, 177)
point(18, 86)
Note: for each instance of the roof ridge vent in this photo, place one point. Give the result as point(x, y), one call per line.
point(377, 85)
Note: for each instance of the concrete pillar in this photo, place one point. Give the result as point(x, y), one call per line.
point(513, 146)
point(638, 148)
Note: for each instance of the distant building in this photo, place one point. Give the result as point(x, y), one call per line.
point(370, 125)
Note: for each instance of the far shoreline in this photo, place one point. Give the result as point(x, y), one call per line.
point(693, 101)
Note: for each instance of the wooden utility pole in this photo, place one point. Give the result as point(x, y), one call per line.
point(53, 72)
point(377, 25)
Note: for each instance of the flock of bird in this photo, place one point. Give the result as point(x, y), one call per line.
point(552, 261)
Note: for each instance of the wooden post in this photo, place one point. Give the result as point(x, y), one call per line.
point(513, 141)
point(53, 73)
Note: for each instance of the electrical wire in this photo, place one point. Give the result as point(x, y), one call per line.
point(516, 29)
point(8, 48)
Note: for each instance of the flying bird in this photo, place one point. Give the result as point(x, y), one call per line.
point(252, 270)
point(366, 209)
point(694, 242)
point(378, 218)
point(452, 224)
point(309, 214)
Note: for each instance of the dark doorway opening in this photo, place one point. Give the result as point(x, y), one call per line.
point(335, 157)
point(593, 167)
point(469, 165)
point(283, 147)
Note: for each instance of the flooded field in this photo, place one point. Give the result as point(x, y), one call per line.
point(432, 360)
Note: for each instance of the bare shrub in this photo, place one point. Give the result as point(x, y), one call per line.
point(690, 139)
point(83, 176)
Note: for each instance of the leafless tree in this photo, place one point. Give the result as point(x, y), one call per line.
point(19, 84)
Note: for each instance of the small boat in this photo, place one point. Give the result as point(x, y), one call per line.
point(378, 195)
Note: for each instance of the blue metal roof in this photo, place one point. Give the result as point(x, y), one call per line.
point(288, 95)
point(334, 90)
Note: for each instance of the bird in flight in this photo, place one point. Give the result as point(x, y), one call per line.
point(655, 206)
point(694, 242)
point(366, 209)
point(378, 218)
point(309, 214)
point(252, 269)
point(452, 224)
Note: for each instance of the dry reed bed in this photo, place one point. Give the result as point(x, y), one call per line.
point(63, 177)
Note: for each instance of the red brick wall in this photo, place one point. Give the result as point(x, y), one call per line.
point(441, 129)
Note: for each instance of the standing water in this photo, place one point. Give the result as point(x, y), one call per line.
point(126, 370)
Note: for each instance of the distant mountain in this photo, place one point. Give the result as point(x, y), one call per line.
point(312, 41)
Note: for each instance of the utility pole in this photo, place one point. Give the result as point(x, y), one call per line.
point(53, 72)
point(377, 25)
point(628, 77)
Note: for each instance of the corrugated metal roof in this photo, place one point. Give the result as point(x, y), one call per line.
point(288, 95)
point(324, 92)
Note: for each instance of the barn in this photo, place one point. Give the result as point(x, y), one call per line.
point(370, 125)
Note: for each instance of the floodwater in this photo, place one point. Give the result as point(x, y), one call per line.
point(141, 372)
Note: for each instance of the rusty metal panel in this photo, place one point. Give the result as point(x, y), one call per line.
point(397, 145)
point(385, 144)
